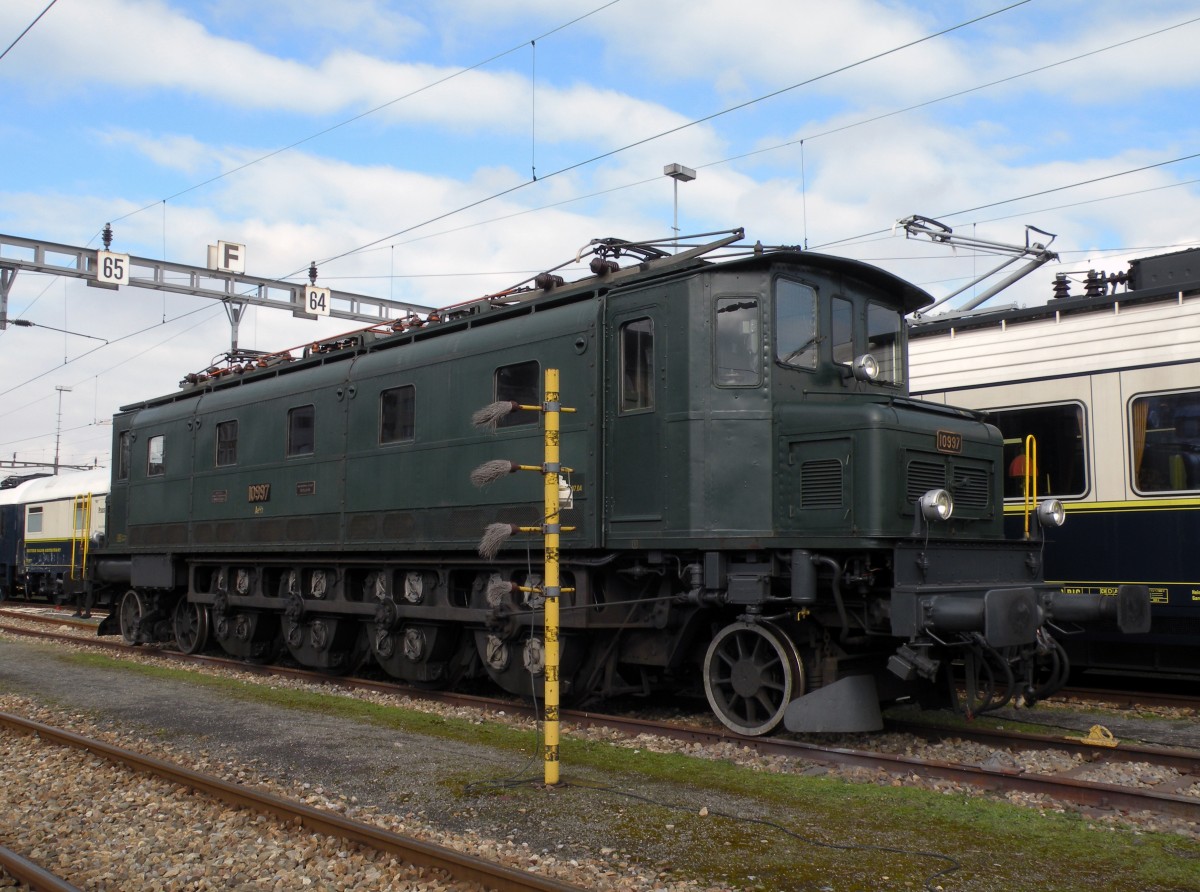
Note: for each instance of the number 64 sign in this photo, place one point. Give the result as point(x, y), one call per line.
point(316, 301)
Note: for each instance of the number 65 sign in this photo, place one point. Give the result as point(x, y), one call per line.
point(112, 269)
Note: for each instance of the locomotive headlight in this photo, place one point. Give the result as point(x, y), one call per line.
point(937, 504)
point(865, 368)
point(1051, 513)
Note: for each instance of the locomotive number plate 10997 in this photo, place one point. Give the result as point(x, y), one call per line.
point(947, 441)
point(259, 492)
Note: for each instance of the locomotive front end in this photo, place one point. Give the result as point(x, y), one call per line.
point(903, 579)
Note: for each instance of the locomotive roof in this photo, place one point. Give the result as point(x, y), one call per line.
point(656, 265)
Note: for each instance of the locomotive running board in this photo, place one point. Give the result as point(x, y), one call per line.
point(848, 705)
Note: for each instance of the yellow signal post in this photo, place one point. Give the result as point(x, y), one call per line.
point(551, 584)
point(497, 533)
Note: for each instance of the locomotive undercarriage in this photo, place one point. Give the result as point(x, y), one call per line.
point(803, 640)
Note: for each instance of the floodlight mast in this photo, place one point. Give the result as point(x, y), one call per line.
point(938, 232)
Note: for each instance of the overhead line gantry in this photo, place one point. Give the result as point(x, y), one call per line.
point(223, 279)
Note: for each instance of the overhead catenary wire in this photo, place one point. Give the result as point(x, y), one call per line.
point(28, 28)
point(959, 93)
point(429, 86)
point(813, 136)
point(681, 127)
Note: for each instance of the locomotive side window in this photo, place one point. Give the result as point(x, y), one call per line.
point(1165, 441)
point(397, 414)
point(155, 456)
point(124, 450)
point(1060, 468)
point(227, 440)
point(33, 523)
point(884, 341)
point(637, 365)
point(737, 357)
point(795, 324)
point(842, 330)
point(302, 431)
point(519, 383)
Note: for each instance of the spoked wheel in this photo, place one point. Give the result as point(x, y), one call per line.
point(131, 611)
point(190, 623)
point(752, 671)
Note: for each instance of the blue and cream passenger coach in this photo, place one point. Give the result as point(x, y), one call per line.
point(759, 510)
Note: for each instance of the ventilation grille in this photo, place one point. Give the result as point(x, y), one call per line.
point(821, 483)
point(971, 487)
point(922, 477)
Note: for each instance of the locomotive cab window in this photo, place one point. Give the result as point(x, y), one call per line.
point(301, 431)
point(795, 324)
point(1056, 463)
point(841, 323)
point(155, 456)
point(397, 414)
point(519, 383)
point(637, 365)
point(737, 356)
point(1165, 442)
point(227, 441)
point(885, 342)
point(124, 451)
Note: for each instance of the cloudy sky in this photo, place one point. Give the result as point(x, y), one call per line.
point(436, 152)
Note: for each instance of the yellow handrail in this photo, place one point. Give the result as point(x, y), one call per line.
point(1030, 479)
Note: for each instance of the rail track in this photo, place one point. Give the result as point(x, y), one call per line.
point(457, 866)
point(1178, 795)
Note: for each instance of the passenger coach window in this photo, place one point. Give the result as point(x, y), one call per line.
point(155, 456)
point(397, 414)
point(737, 353)
point(124, 447)
point(227, 439)
point(795, 324)
point(302, 431)
point(519, 383)
point(1165, 441)
point(637, 365)
point(884, 342)
point(33, 523)
point(1059, 466)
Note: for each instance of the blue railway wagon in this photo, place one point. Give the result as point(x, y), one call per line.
point(64, 518)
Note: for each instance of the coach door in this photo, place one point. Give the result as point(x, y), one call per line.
point(635, 468)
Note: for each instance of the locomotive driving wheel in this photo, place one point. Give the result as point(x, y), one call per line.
point(752, 671)
point(190, 623)
point(131, 611)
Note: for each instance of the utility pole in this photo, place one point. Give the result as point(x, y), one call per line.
point(58, 431)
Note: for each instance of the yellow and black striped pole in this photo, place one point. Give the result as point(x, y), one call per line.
point(551, 583)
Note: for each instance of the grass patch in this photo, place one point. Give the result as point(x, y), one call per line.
point(763, 831)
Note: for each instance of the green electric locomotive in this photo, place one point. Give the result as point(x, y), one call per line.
point(757, 510)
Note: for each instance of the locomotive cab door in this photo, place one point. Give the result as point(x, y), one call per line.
point(635, 468)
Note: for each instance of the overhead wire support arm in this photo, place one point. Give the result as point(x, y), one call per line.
point(1037, 253)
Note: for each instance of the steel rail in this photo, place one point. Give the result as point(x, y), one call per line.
point(457, 865)
point(32, 874)
point(1181, 760)
point(1084, 793)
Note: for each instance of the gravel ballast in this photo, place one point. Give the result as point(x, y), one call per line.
point(444, 790)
